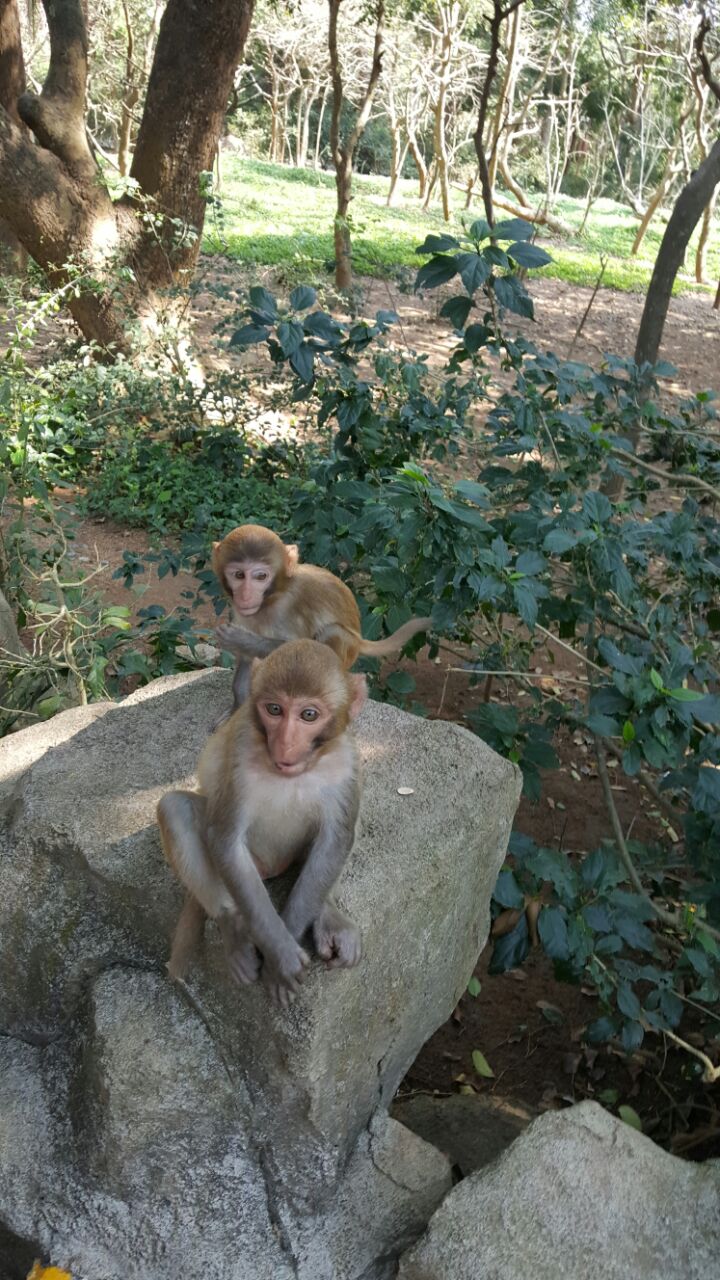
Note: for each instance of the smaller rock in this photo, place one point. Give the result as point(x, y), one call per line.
point(470, 1130)
point(578, 1196)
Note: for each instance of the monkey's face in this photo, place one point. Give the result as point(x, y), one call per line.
point(294, 729)
point(249, 582)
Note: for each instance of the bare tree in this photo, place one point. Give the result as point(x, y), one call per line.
point(343, 150)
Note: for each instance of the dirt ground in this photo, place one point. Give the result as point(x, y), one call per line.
point(526, 1023)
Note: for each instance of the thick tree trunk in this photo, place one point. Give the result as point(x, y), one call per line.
point(13, 257)
point(689, 207)
point(52, 194)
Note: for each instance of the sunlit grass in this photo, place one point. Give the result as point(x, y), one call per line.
point(275, 216)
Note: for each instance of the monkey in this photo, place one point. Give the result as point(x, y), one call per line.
point(279, 784)
point(275, 599)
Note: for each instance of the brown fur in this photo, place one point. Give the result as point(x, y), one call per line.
point(304, 600)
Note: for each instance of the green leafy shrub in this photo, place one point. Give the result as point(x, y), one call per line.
point(530, 551)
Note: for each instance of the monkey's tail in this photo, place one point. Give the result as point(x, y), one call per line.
point(379, 648)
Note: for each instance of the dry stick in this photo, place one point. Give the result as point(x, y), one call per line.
point(670, 477)
point(672, 918)
point(569, 649)
point(588, 309)
point(669, 809)
point(711, 1072)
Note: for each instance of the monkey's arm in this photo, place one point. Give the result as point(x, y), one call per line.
point(232, 859)
point(326, 859)
point(246, 643)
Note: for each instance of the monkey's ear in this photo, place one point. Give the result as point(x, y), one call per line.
point(292, 555)
point(359, 695)
point(215, 546)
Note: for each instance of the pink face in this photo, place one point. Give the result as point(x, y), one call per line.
point(248, 581)
point(292, 726)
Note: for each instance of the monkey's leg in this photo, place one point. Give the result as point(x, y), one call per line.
point(182, 818)
point(187, 937)
point(337, 939)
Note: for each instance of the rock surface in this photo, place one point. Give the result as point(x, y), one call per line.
point(151, 1129)
point(469, 1129)
point(579, 1196)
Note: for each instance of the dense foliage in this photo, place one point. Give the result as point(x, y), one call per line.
point(504, 534)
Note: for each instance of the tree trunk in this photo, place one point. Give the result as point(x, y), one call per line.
point(318, 134)
point(343, 153)
point(702, 244)
point(13, 258)
point(420, 165)
point(397, 161)
point(655, 203)
point(689, 207)
point(53, 196)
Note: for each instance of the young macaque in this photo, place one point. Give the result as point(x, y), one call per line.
point(274, 599)
point(279, 784)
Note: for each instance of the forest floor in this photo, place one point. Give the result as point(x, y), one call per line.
point(527, 1024)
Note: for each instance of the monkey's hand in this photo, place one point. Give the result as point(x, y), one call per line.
point(284, 972)
point(337, 939)
point(236, 639)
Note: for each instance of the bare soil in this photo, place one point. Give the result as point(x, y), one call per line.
point(526, 1023)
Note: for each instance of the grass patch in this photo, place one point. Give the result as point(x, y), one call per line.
point(273, 216)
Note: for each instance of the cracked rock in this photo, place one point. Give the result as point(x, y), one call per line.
point(151, 1129)
point(580, 1195)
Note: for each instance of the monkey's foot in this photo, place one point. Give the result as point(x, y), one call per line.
point(337, 939)
point(243, 957)
point(283, 979)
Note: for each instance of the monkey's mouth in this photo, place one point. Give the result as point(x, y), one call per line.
point(248, 612)
point(290, 770)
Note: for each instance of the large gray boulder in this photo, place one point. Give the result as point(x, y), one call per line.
point(579, 1196)
point(150, 1128)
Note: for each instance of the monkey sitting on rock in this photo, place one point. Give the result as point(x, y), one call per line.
point(275, 599)
point(279, 784)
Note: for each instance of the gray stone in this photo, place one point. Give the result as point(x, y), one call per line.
point(579, 1195)
point(195, 1127)
point(470, 1129)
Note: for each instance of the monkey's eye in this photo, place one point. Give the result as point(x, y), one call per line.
point(309, 714)
point(273, 708)
point(261, 575)
point(239, 574)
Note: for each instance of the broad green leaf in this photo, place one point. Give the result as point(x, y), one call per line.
point(631, 1117)
point(474, 988)
point(513, 229)
point(263, 300)
point(303, 297)
point(685, 695)
point(529, 255)
point(248, 335)
point(552, 929)
point(482, 1066)
point(437, 271)
point(457, 310)
point(507, 891)
point(438, 244)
